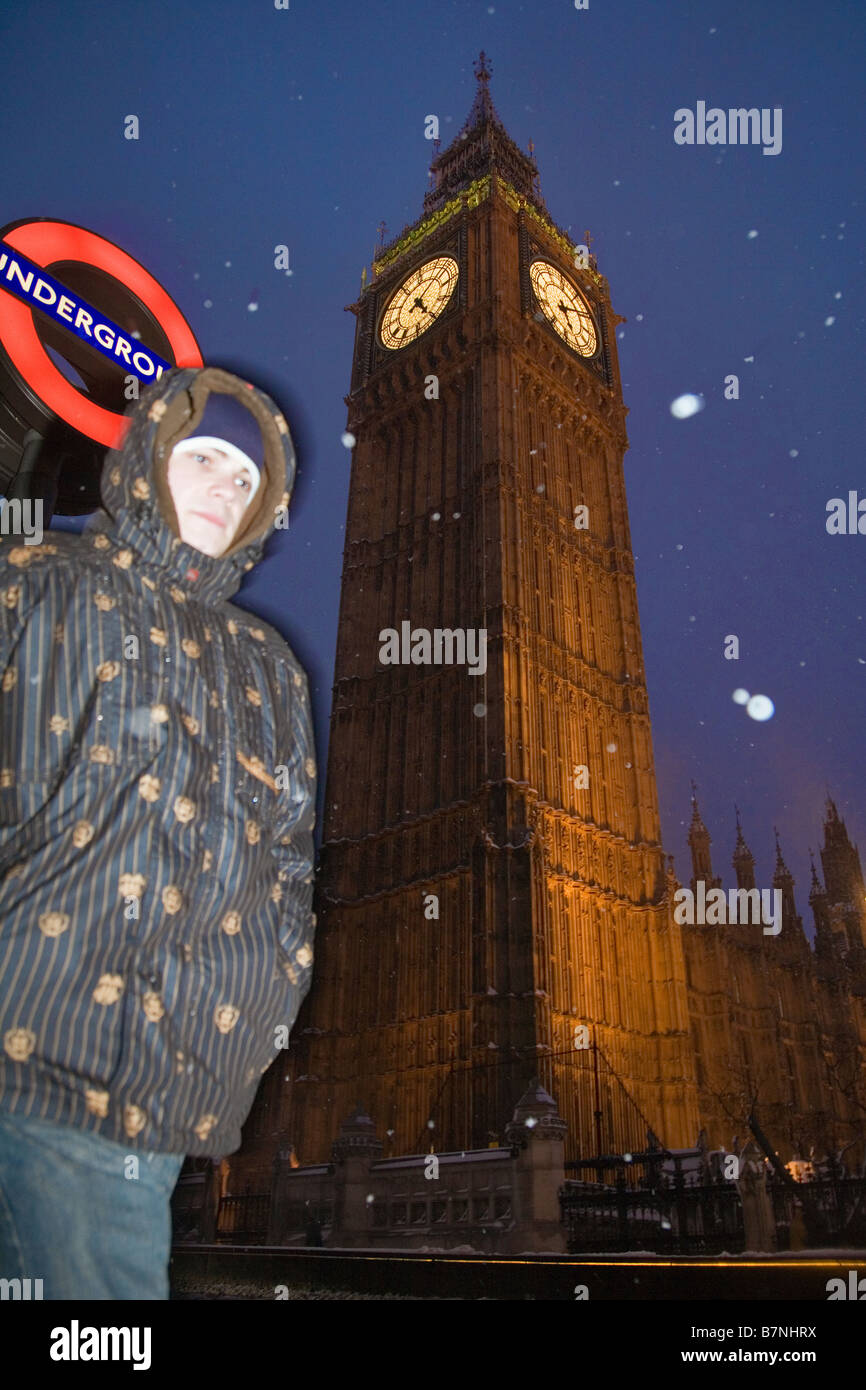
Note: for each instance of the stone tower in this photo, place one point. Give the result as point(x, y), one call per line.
point(492, 900)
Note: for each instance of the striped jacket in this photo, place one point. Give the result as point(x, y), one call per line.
point(157, 801)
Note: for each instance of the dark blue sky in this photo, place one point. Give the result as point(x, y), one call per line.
point(306, 127)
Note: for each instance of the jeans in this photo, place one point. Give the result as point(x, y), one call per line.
point(71, 1216)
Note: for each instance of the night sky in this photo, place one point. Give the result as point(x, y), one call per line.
point(306, 127)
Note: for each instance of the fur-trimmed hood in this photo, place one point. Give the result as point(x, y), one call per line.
point(138, 510)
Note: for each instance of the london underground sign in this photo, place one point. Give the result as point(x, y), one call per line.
point(41, 291)
point(78, 328)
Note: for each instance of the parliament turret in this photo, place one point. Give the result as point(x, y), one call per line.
point(743, 860)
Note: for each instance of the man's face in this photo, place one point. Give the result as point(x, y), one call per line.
point(211, 493)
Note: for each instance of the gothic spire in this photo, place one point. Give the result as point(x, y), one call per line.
point(843, 875)
point(783, 879)
point(482, 108)
point(824, 939)
point(782, 870)
point(743, 859)
point(699, 844)
point(481, 146)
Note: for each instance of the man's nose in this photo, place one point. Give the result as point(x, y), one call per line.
point(223, 487)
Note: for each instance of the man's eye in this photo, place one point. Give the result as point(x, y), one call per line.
point(245, 482)
point(201, 458)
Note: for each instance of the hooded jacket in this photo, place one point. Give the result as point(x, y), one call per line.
point(157, 801)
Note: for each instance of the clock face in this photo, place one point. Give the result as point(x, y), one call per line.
point(564, 307)
point(418, 302)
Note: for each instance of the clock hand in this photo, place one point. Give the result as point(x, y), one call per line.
point(565, 308)
point(421, 304)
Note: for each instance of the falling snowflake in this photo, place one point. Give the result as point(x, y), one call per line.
point(761, 708)
point(684, 406)
point(347, 440)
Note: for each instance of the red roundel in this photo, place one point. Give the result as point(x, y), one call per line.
point(46, 243)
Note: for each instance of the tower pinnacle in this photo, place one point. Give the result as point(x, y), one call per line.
point(699, 844)
point(743, 859)
point(481, 145)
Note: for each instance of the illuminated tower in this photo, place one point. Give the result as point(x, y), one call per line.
point(491, 894)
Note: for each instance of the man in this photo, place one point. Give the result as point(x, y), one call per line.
point(157, 795)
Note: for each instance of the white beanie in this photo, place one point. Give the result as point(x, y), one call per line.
point(208, 441)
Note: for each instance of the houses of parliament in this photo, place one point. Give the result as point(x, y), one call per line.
point(494, 903)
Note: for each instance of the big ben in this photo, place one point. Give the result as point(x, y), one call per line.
point(492, 899)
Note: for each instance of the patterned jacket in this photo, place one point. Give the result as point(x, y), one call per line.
point(157, 801)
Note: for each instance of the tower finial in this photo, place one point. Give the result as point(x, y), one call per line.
point(781, 866)
point(481, 68)
point(743, 860)
point(741, 844)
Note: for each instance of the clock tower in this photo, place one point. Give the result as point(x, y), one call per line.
point(492, 898)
